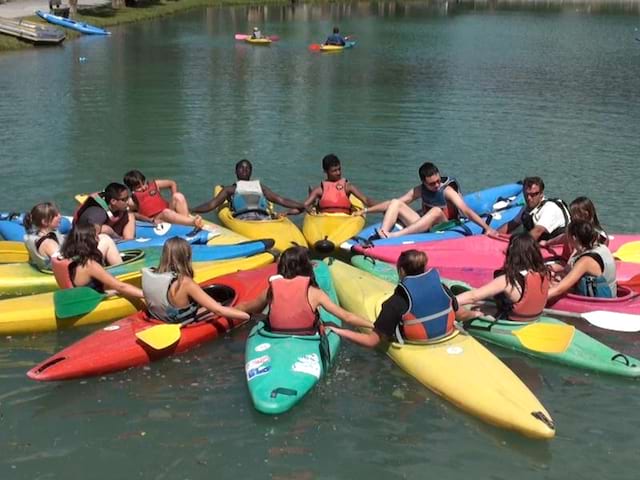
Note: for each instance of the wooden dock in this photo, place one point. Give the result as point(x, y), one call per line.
point(32, 32)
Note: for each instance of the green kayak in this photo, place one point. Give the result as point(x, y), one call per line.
point(583, 352)
point(282, 369)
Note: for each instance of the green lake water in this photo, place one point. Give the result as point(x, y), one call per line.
point(488, 94)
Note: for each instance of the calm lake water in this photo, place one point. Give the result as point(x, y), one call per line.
point(490, 95)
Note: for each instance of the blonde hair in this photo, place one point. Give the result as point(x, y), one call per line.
point(176, 258)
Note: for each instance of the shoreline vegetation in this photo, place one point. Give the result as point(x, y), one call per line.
point(105, 16)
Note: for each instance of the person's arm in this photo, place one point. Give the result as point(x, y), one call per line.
point(585, 265)
point(366, 339)
point(352, 189)
point(325, 302)
point(49, 247)
point(491, 289)
point(97, 272)
point(129, 230)
point(257, 305)
point(215, 202)
point(407, 198)
point(170, 184)
point(201, 298)
point(454, 197)
point(283, 201)
point(314, 195)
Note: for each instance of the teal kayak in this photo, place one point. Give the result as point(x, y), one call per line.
point(583, 352)
point(282, 369)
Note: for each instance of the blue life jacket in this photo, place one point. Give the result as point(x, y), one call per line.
point(436, 199)
point(335, 39)
point(248, 197)
point(601, 286)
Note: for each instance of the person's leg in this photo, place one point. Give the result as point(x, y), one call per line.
point(174, 217)
point(397, 210)
point(423, 224)
point(179, 204)
point(109, 250)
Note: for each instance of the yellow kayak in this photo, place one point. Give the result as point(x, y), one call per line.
point(258, 41)
point(36, 313)
point(325, 232)
point(283, 231)
point(458, 368)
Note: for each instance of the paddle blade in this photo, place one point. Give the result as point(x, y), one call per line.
point(616, 321)
point(241, 36)
point(545, 337)
point(314, 47)
point(160, 337)
point(72, 302)
point(273, 38)
point(632, 284)
point(629, 252)
point(13, 252)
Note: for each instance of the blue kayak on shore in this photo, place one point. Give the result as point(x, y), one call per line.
point(72, 24)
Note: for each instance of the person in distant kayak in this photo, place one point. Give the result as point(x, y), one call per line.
point(109, 210)
point(249, 199)
point(173, 296)
point(591, 267)
point(544, 218)
point(335, 38)
point(79, 264)
point(294, 297)
point(256, 34)
point(43, 239)
point(332, 195)
point(441, 202)
point(521, 287)
point(148, 204)
point(421, 309)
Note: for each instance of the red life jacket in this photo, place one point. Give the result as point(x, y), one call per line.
point(150, 202)
point(60, 268)
point(533, 298)
point(290, 311)
point(117, 221)
point(334, 197)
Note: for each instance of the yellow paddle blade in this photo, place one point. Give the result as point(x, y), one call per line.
point(545, 337)
point(159, 337)
point(629, 252)
point(13, 252)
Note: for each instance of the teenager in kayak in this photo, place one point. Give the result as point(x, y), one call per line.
point(171, 293)
point(441, 201)
point(109, 210)
point(591, 269)
point(521, 287)
point(148, 204)
point(582, 208)
point(249, 199)
point(335, 38)
point(332, 195)
point(79, 264)
point(421, 309)
point(43, 239)
point(544, 218)
point(294, 297)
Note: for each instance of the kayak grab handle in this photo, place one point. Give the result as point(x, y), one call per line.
point(283, 391)
point(624, 358)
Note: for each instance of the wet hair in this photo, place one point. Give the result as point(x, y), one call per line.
point(531, 181)
point(582, 208)
point(412, 262)
point(81, 244)
point(330, 161)
point(134, 179)
point(336, 30)
point(176, 258)
point(40, 216)
point(426, 170)
point(113, 191)
point(242, 162)
point(523, 254)
point(584, 233)
point(295, 262)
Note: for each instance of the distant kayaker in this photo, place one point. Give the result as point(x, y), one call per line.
point(521, 287)
point(335, 38)
point(544, 218)
point(171, 293)
point(148, 204)
point(420, 310)
point(591, 269)
point(332, 195)
point(43, 239)
point(441, 201)
point(294, 297)
point(109, 210)
point(79, 264)
point(249, 199)
point(256, 33)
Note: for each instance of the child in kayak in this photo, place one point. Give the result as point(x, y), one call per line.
point(332, 195)
point(171, 293)
point(335, 38)
point(521, 287)
point(294, 297)
point(109, 210)
point(149, 206)
point(43, 239)
point(441, 202)
point(79, 264)
point(256, 34)
point(421, 309)
point(249, 199)
point(591, 267)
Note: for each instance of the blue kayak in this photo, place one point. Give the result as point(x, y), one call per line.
point(497, 205)
point(72, 24)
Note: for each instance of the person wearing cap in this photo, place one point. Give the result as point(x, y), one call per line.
point(256, 33)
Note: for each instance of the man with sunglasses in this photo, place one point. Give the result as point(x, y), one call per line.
point(544, 218)
point(110, 211)
point(441, 201)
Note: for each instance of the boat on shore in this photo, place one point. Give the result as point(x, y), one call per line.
point(82, 27)
point(32, 32)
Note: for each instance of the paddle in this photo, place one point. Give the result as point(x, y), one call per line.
point(13, 252)
point(632, 284)
point(629, 252)
point(315, 47)
point(615, 321)
point(73, 302)
point(163, 336)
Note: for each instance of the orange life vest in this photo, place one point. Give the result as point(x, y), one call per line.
point(334, 197)
point(150, 202)
point(533, 298)
point(290, 311)
point(60, 268)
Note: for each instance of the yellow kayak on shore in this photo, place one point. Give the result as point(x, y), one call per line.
point(325, 232)
point(283, 231)
point(458, 368)
point(36, 313)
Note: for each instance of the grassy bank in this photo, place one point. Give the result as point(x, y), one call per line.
point(105, 16)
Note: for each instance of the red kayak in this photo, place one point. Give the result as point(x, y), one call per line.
point(116, 346)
